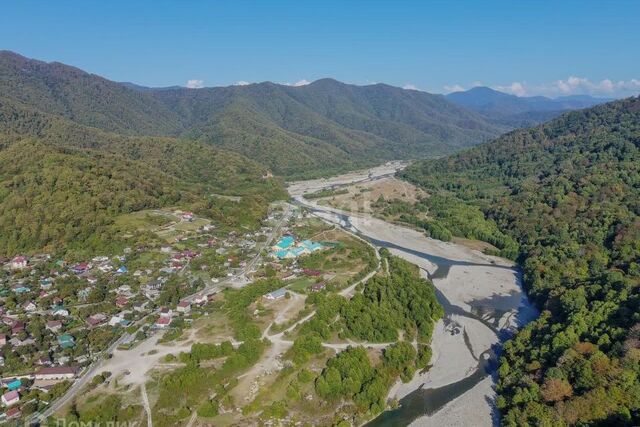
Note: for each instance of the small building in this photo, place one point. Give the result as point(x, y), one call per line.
point(10, 398)
point(184, 307)
point(66, 341)
point(317, 287)
point(122, 302)
point(166, 312)
point(277, 294)
point(19, 262)
point(57, 373)
point(3, 339)
point(54, 325)
point(13, 413)
point(14, 385)
point(96, 320)
point(29, 306)
point(163, 322)
point(122, 269)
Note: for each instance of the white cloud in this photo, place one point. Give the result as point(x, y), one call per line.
point(583, 86)
point(241, 83)
point(572, 85)
point(410, 86)
point(453, 88)
point(195, 84)
point(515, 88)
point(302, 82)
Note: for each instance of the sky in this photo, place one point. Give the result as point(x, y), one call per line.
point(540, 47)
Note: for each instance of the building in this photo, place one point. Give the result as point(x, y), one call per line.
point(163, 322)
point(19, 262)
point(57, 373)
point(317, 287)
point(277, 294)
point(54, 325)
point(10, 398)
point(14, 385)
point(184, 307)
point(96, 320)
point(3, 339)
point(122, 302)
point(284, 243)
point(29, 306)
point(166, 312)
point(66, 341)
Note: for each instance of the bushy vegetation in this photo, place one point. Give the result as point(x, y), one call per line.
point(569, 193)
point(318, 129)
point(71, 192)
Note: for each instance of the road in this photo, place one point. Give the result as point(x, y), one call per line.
point(145, 402)
point(93, 369)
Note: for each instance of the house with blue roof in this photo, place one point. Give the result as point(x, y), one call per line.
point(14, 385)
point(277, 294)
point(66, 341)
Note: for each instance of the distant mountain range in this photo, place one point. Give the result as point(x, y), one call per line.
point(515, 111)
point(316, 129)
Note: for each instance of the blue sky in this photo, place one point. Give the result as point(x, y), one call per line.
point(523, 47)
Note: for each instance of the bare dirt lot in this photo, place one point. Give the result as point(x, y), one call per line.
point(360, 197)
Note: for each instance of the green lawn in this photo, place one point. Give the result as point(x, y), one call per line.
point(301, 284)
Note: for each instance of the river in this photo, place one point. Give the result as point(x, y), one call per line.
point(483, 302)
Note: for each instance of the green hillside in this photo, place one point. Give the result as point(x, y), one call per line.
point(569, 193)
point(62, 184)
point(317, 129)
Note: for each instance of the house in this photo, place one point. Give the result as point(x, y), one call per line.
point(200, 299)
point(59, 311)
point(18, 262)
point(116, 320)
point(187, 216)
point(80, 268)
point(14, 385)
point(163, 322)
point(184, 307)
point(54, 325)
point(122, 269)
point(277, 294)
point(312, 273)
point(140, 306)
point(10, 398)
point(3, 339)
point(66, 341)
point(166, 312)
point(13, 413)
point(121, 302)
point(56, 373)
point(46, 284)
point(96, 320)
point(20, 289)
point(17, 328)
point(29, 306)
point(317, 287)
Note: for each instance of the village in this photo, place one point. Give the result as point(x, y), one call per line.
point(60, 317)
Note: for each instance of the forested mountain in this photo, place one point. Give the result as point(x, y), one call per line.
point(296, 131)
point(569, 193)
point(62, 184)
point(519, 111)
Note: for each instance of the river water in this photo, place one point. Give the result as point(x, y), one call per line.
point(481, 319)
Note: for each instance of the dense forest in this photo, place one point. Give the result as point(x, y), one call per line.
point(317, 129)
point(63, 184)
point(569, 193)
